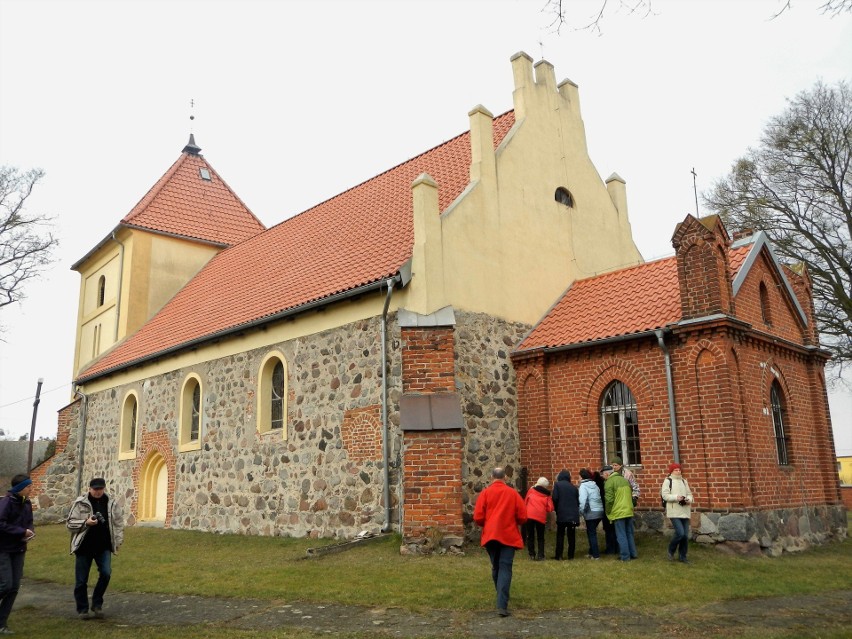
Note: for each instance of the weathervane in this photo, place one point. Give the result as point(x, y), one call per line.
point(191, 115)
point(695, 189)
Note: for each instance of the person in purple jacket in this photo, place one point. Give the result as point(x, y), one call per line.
point(16, 529)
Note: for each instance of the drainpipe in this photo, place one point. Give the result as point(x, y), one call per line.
point(120, 278)
point(670, 388)
point(385, 452)
point(81, 436)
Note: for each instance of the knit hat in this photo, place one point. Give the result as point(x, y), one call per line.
point(97, 482)
point(606, 469)
point(542, 482)
point(673, 467)
point(616, 460)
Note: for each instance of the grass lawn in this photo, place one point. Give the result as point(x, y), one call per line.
point(185, 562)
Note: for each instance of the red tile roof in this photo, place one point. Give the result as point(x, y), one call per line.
point(632, 300)
point(183, 203)
point(626, 302)
point(361, 236)
point(737, 257)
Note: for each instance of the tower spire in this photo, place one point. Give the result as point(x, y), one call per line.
point(191, 147)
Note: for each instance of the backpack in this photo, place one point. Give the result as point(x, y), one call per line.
point(670, 489)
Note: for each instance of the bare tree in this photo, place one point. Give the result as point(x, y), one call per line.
point(559, 9)
point(26, 242)
point(797, 187)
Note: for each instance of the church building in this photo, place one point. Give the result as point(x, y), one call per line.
point(362, 365)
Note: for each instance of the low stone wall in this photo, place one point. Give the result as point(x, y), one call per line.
point(764, 532)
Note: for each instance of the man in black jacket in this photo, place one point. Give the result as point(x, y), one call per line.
point(566, 500)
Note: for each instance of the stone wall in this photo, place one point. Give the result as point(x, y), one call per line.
point(325, 479)
point(766, 532)
point(485, 379)
point(55, 480)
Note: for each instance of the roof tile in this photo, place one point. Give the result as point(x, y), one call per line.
point(360, 236)
point(183, 203)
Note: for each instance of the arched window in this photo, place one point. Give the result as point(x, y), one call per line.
point(620, 424)
point(764, 305)
point(272, 395)
point(782, 441)
point(563, 196)
point(190, 414)
point(101, 290)
point(129, 425)
point(277, 400)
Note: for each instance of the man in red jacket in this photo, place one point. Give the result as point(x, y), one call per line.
point(499, 511)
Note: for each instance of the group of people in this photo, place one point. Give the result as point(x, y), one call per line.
point(511, 521)
point(96, 524)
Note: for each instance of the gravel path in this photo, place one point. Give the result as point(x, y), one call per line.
point(812, 614)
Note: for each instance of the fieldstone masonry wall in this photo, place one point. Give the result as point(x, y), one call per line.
point(325, 479)
point(485, 379)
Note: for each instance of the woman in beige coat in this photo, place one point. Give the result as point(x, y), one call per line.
point(678, 499)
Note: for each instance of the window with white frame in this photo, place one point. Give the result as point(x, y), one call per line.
point(620, 425)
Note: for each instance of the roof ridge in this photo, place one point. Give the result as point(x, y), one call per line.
point(386, 171)
point(624, 269)
point(236, 197)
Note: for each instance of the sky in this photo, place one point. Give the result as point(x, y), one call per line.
point(294, 102)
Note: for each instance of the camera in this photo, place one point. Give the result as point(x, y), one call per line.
point(100, 518)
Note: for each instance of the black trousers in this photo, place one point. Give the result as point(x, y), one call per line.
point(535, 531)
point(564, 528)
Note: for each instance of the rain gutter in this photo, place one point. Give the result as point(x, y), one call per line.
point(239, 328)
point(670, 388)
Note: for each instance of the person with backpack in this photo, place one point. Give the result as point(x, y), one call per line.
point(677, 498)
point(592, 509)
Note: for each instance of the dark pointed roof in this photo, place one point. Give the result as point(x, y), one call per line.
point(191, 147)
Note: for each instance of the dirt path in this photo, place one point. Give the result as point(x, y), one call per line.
point(830, 611)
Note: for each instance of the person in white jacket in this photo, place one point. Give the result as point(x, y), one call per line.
point(96, 523)
point(678, 499)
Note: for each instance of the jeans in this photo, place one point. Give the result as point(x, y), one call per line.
point(535, 530)
point(680, 540)
point(83, 564)
point(566, 528)
point(501, 570)
point(11, 570)
point(592, 534)
point(624, 534)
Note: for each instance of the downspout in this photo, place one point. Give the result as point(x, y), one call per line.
point(670, 389)
point(81, 436)
point(120, 279)
point(385, 452)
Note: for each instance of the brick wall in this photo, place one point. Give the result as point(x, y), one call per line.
point(432, 498)
point(723, 370)
point(427, 360)
point(431, 471)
